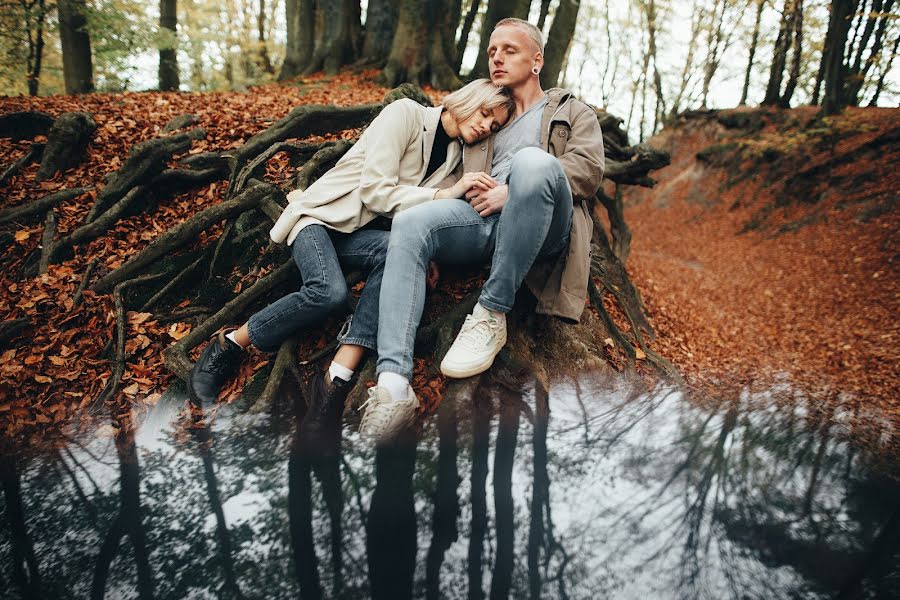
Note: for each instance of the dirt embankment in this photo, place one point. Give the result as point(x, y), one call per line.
point(767, 254)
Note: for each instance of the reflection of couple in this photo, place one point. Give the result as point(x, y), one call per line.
point(528, 216)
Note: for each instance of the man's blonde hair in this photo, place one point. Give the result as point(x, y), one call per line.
point(530, 30)
point(472, 97)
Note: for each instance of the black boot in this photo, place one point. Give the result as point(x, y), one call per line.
point(320, 432)
point(218, 362)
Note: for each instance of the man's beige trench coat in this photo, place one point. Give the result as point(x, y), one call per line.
point(571, 133)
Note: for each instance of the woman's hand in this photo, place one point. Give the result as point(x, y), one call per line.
point(478, 180)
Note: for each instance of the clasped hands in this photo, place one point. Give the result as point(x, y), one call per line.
point(480, 190)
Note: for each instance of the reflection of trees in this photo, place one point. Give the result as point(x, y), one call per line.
point(540, 530)
point(504, 510)
point(305, 460)
point(128, 521)
point(223, 538)
point(446, 501)
point(391, 527)
point(482, 411)
point(27, 577)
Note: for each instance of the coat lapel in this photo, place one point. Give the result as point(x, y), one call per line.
point(430, 124)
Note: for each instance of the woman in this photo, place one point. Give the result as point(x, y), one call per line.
point(408, 155)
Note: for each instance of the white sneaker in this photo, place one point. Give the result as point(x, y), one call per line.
point(385, 418)
point(482, 336)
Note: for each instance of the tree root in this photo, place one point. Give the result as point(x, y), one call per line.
point(173, 283)
point(621, 234)
point(175, 356)
point(304, 121)
point(25, 125)
point(34, 154)
point(634, 171)
point(320, 161)
point(119, 360)
point(47, 241)
point(67, 140)
point(95, 229)
point(251, 169)
point(145, 161)
point(186, 232)
point(40, 206)
point(9, 330)
point(283, 360)
point(85, 279)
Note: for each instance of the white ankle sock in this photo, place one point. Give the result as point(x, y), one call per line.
point(397, 385)
point(336, 370)
point(231, 337)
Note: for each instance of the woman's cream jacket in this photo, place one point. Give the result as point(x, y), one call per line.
point(380, 175)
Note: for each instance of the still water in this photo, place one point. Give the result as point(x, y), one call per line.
point(591, 489)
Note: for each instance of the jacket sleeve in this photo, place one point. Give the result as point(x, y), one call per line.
point(584, 161)
point(390, 135)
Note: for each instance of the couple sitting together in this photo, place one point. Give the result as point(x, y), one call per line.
point(500, 172)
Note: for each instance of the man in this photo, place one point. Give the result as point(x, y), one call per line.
point(531, 218)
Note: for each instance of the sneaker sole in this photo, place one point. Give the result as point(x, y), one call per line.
point(471, 371)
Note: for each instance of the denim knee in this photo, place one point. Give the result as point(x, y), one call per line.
point(409, 227)
point(534, 163)
point(329, 296)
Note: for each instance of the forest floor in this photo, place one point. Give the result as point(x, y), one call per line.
point(769, 263)
point(806, 296)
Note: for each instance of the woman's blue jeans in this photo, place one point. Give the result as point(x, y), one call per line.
point(535, 222)
point(320, 254)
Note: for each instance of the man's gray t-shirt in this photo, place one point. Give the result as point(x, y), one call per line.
point(524, 132)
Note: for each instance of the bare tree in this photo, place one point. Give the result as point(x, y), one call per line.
point(300, 17)
point(760, 5)
point(168, 56)
point(496, 10)
point(381, 22)
point(463, 40)
point(794, 74)
point(559, 41)
point(833, 68)
point(78, 69)
point(876, 21)
point(423, 49)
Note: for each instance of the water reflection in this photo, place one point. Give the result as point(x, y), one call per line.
point(588, 489)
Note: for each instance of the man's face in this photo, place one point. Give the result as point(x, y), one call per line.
point(511, 56)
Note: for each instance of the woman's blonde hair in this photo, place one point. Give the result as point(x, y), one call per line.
point(472, 97)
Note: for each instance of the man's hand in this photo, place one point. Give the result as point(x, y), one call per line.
point(474, 180)
point(488, 202)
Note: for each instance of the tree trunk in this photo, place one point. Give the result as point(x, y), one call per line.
point(300, 17)
point(168, 57)
point(794, 74)
point(35, 55)
point(834, 70)
point(779, 55)
point(887, 69)
point(463, 40)
point(78, 70)
point(265, 61)
point(558, 40)
point(337, 36)
point(542, 16)
point(496, 10)
point(381, 22)
point(423, 46)
point(660, 110)
point(760, 5)
point(881, 13)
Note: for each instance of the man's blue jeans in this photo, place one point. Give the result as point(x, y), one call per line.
point(320, 253)
point(536, 221)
